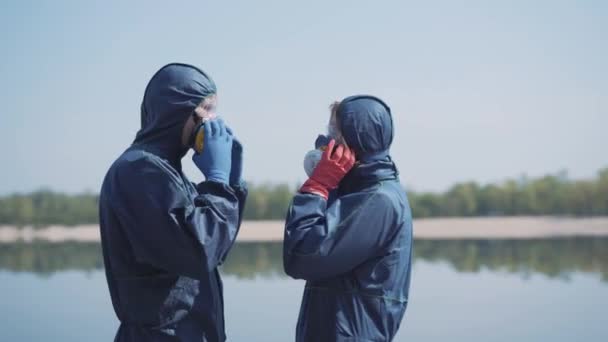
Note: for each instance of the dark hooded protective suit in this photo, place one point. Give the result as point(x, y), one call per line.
point(355, 249)
point(162, 236)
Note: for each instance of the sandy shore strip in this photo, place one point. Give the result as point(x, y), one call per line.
point(440, 228)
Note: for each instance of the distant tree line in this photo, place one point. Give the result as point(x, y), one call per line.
point(549, 195)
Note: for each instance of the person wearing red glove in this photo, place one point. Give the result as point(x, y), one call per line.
point(348, 231)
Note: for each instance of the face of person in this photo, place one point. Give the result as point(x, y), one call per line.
point(205, 111)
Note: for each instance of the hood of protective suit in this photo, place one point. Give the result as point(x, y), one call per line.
point(367, 126)
point(169, 99)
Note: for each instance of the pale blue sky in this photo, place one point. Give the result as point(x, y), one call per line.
point(480, 90)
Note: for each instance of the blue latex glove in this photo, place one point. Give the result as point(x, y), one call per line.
point(236, 173)
point(215, 160)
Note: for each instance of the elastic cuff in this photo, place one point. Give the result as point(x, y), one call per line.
point(238, 184)
point(217, 180)
point(313, 187)
point(218, 177)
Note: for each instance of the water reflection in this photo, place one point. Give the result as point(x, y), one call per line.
point(556, 258)
point(45, 258)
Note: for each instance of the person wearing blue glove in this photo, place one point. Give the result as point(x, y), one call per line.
point(163, 237)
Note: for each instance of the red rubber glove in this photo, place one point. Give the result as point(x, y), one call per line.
point(332, 167)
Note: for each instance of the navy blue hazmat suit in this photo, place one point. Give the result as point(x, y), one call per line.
point(355, 249)
point(163, 237)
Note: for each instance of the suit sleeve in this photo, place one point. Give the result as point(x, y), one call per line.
point(322, 242)
point(241, 191)
point(170, 231)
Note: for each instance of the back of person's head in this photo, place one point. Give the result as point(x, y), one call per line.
point(365, 124)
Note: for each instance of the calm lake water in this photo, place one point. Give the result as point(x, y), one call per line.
point(463, 290)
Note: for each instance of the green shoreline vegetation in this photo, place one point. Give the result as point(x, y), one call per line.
point(554, 194)
point(555, 258)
